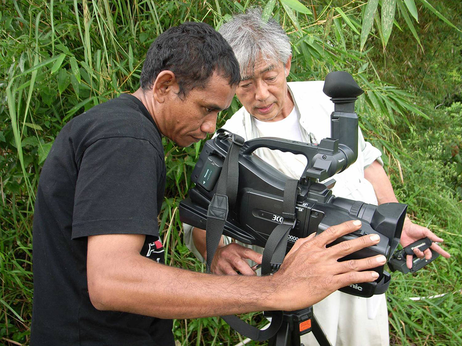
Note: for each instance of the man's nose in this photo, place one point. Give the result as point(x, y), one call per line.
point(261, 93)
point(210, 124)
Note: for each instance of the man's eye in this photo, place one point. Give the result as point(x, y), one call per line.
point(245, 85)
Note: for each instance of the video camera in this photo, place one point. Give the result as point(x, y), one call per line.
point(262, 198)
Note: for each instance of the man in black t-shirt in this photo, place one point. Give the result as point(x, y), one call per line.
point(104, 175)
point(98, 272)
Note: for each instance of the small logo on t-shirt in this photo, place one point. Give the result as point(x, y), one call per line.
point(154, 249)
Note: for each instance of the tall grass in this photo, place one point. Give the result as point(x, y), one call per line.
point(59, 58)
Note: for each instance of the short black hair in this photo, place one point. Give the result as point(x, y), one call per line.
point(193, 52)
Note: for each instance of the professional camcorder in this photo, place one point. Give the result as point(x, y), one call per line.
point(240, 195)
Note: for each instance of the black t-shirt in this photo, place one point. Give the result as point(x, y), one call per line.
point(105, 174)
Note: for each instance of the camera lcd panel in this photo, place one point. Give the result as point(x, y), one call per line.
point(210, 173)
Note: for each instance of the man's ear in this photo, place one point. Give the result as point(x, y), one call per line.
point(287, 65)
point(164, 85)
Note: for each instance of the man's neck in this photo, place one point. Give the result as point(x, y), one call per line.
point(289, 106)
point(147, 100)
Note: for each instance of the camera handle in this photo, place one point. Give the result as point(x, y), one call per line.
point(398, 260)
point(323, 160)
point(332, 155)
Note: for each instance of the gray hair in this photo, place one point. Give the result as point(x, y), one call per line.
point(249, 36)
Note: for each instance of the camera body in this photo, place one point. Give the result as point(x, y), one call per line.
point(259, 205)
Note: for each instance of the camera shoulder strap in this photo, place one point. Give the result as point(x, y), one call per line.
point(276, 245)
point(273, 255)
point(224, 197)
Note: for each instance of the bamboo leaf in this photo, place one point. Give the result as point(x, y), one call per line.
point(292, 16)
point(439, 15)
point(11, 100)
point(388, 17)
point(32, 141)
point(339, 33)
point(368, 19)
point(75, 68)
point(268, 10)
point(410, 4)
point(347, 20)
point(75, 85)
point(57, 65)
point(297, 6)
point(409, 23)
point(378, 24)
point(34, 126)
point(43, 151)
point(327, 26)
point(130, 57)
point(40, 65)
point(77, 107)
point(63, 80)
point(5, 304)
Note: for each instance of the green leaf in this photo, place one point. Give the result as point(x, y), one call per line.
point(268, 10)
point(43, 151)
point(77, 107)
point(5, 304)
point(363, 67)
point(292, 16)
point(32, 141)
point(408, 21)
point(368, 19)
point(347, 20)
point(48, 95)
point(339, 33)
point(40, 65)
point(130, 58)
point(439, 15)
point(144, 36)
point(297, 6)
point(378, 24)
point(388, 17)
point(63, 80)
point(75, 85)
point(58, 63)
point(34, 126)
point(75, 68)
point(410, 4)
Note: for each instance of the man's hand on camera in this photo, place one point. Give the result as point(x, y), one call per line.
point(232, 259)
point(229, 259)
point(312, 270)
point(413, 232)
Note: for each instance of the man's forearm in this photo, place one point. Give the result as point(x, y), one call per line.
point(126, 281)
point(120, 279)
point(176, 293)
point(376, 175)
point(199, 240)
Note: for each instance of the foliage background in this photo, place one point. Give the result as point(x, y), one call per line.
point(59, 58)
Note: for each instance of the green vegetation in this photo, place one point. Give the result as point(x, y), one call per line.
point(59, 58)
